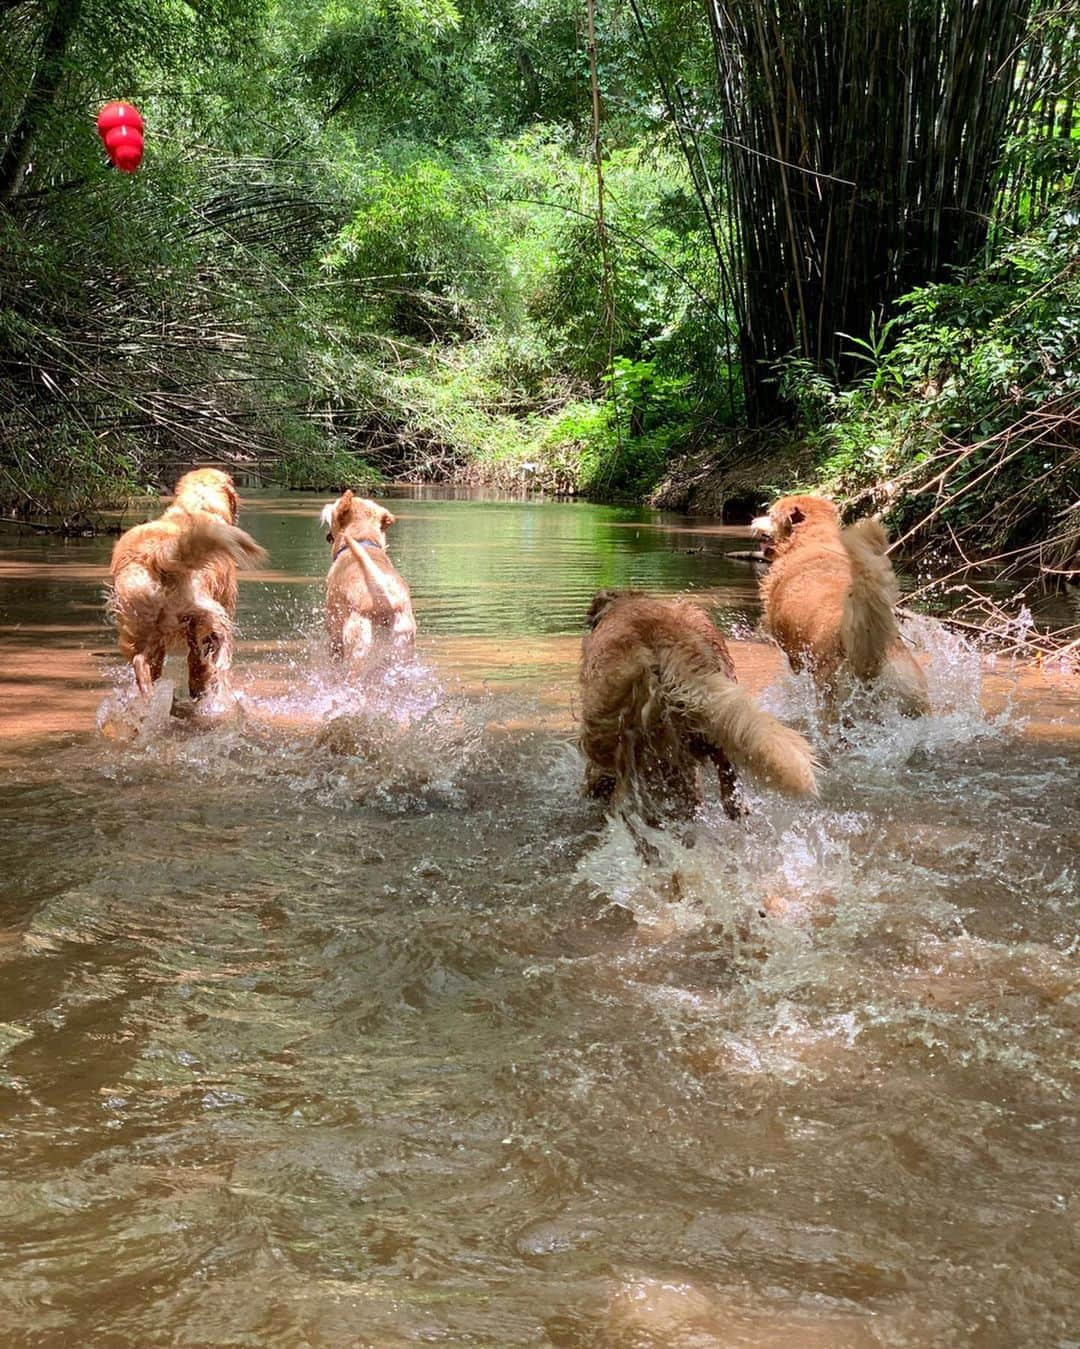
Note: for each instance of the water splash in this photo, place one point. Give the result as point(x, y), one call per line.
point(125, 717)
point(871, 734)
point(399, 741)
point(281, 1062)
point(824, 915)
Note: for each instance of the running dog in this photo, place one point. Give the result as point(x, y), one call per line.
point(173, 583)
point(368, 606)
point(829, 598)
point(659, 698)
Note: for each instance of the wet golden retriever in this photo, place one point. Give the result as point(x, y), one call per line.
point(369, 612)
point(173, 583)
point(829, 598)
point(659, 698)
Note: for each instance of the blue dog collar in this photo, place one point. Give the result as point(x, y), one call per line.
point(363, 543)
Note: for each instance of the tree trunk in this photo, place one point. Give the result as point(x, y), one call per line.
point(530, 84)
point(40, 98)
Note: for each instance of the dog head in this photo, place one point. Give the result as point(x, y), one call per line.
point(211, 491)
point(356, 517)
point(792, 516)
point(603, 600)
point(601, 603)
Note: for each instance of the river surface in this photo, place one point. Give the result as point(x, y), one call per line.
point(345, 1020)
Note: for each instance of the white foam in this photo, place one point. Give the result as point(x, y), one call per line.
point(872, 733)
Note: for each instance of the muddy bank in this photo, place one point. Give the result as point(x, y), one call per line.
point(731, 479)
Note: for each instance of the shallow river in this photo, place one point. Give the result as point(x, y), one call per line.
point(348, 1022)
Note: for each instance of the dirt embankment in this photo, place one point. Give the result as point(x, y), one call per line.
point(733, 479)
point(729, 480)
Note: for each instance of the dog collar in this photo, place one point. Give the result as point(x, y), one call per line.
point(363, 543)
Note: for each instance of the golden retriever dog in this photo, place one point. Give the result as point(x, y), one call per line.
point(659, 698)
point(829, 598)
point(174, 583)
point(368, 607)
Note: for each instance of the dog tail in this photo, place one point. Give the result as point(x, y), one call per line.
point(375, 579)
point(868, 628)
point(207, 537)
point(728, 718)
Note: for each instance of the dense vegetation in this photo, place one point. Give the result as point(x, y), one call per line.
point(372, 238)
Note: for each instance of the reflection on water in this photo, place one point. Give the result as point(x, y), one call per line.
point(345, 1020)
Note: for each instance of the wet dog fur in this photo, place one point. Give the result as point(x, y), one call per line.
point(369, 612)
point(659, 698)
point(829, 599)
point(173, 583)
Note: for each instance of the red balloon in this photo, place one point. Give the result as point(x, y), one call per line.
point(118, 114)
point(124, 146)
point(120, 127)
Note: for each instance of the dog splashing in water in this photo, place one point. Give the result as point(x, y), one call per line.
point(174, 583)
point(369, 616)
point(829, 600)
point(659, 698)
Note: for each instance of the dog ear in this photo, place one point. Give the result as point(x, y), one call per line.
point(787, 517)
point(386, 520)
point(333, 512)
point(601, 602)
point(234, 500)
point(339, 510)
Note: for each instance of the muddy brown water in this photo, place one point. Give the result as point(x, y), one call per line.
point(345, 1020)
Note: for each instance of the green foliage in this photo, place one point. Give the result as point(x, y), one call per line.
point(986, 364)
point(622, 445)
point(441, 75)
point(78, 477)
point(312, 465)
point(842, 209)
point(422, 255)
point(1005, 335)
point(364, 240)
point(612, 297)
